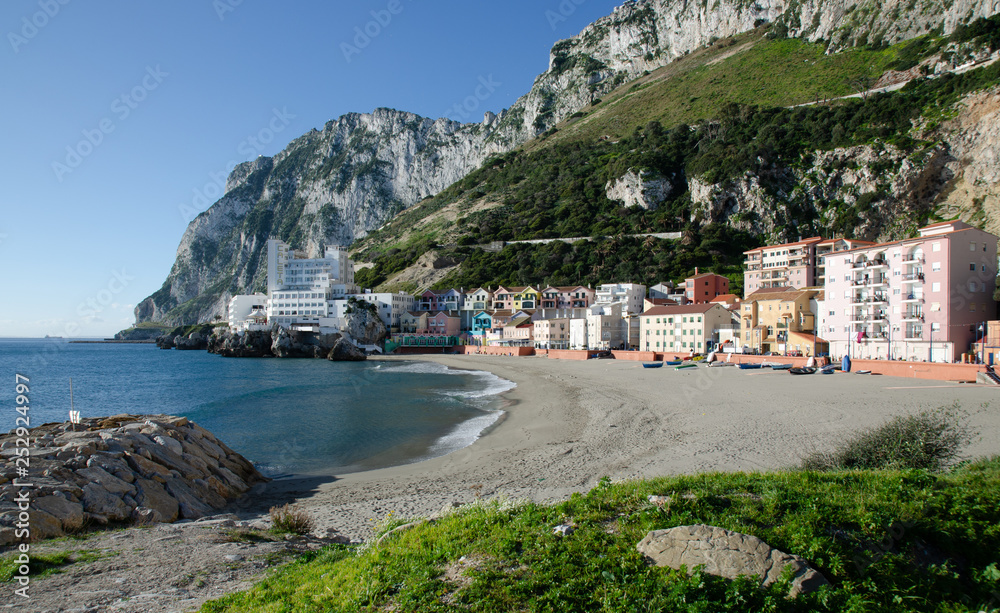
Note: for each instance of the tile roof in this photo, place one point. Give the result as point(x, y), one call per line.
point(679, 309)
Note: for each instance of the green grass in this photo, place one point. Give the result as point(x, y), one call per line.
point(888, 541)
point(43, 564)
point(759, 71)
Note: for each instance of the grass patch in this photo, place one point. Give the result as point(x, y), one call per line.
point(44, 564)
point(888, 541)
point(931, 440)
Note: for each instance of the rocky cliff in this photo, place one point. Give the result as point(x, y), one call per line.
point(336, 184)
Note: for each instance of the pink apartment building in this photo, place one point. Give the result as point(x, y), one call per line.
point(798, 264)
point(916, 299)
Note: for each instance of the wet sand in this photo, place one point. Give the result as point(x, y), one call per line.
point(569, 423)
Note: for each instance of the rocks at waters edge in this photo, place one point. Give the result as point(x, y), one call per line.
point(362, 325)
point(124, 468)
point(727, 554)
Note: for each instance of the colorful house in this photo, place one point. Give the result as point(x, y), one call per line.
point(566, 297)
point(447, 300)
point(689, 328)
point(516, 298)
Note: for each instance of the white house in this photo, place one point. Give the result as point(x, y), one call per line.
point(248, 312)
point(630, 295)
point(301, 291)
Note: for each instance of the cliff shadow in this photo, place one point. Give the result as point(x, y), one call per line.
point(263, 496)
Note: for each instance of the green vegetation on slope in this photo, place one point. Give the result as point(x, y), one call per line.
point(559, 191)
point(887, 541)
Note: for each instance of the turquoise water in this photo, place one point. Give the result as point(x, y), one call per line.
point(287, 416)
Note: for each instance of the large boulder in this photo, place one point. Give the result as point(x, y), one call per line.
point(727, 554)
point(345, 351)
point(363, 324)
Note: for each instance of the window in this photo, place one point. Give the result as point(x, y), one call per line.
point(936, 266)
point(895, 292)
point(935, 306)
point(972, 246)
point(972, 307)
point(936, 246)
point(935, 287)
point(832, 313)
point(935, 327)
point(972, 286)
point(972, 266)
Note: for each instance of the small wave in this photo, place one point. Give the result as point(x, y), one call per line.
point(494, 385)
point(465, 433)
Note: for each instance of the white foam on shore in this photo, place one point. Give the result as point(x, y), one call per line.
point(469, 431)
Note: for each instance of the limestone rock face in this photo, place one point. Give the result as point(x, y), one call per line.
point(727, 554)
point(643, 189)
point(879, 188)
point(121, 469)
point(195, 340)
point(364, 326)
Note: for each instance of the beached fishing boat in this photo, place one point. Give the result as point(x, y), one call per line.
point(804, 370)
point(719, 364)
point(652, 364)
point(674, 362)
point(863, 372)
point(829, 369)
point(781, 366)
point(688, 365)
point(748, 366)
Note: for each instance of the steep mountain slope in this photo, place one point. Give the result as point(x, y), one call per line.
point(337, 184)
point(873, 168)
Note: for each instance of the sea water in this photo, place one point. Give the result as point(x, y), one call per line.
point(288, 416)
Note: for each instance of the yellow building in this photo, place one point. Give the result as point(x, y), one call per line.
point(777, 320)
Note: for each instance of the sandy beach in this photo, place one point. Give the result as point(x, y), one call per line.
point(569, 423)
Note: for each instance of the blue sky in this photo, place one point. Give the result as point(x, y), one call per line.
point(119, 119)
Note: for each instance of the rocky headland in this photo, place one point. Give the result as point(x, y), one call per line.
point(124, 469)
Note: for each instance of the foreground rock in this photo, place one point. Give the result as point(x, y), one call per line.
point(727, 554)
point(124, 468)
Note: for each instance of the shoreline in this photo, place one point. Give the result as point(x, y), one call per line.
point(569, 423)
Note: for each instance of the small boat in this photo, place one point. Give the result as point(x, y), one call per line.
point(688, 365)
point(652, 364)
point(674, 362)
point(750, 366)
point(804, 370)
point(781, 366)
point(720, 364)
point(863, 372)
point(827, 370)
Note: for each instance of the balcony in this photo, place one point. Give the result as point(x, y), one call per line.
point(912, 298)
point(917, 316)
point(914, 277)
point(911, 260)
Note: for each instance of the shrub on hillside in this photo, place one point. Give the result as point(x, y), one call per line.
point(930, 440)
point(290, 519)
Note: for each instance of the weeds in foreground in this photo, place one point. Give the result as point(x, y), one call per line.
point(289, 519)
point(929, 440)
point(43, 564)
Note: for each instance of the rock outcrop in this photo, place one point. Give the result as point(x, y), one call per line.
point(727, 554)
point(249, 344)
point(336, 184)
point(124, 468)
point(644, 189)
